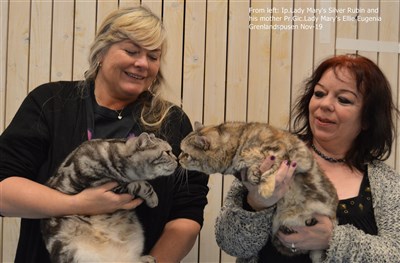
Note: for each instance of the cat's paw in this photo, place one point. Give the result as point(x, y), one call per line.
point(317, 256)
point(145, 191)
point(148, 259)
point(253, 176)
point(152, 201)
point(267, 186)
point(120, 189)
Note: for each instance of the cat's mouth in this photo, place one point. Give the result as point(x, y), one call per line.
point(189, 163)
point(183, 158)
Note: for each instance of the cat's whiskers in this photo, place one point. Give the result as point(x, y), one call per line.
point(182, 175)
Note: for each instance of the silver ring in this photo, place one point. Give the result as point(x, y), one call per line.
point(293, 248)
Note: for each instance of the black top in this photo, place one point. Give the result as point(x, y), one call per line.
point(51, 122)
point(106, 123)
point(357, 211)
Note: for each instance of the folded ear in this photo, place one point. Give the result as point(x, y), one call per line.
point(143, 141)
point(198, 125)
point(201, 142)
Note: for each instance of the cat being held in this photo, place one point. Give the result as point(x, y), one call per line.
point(116, 237)
point(233, 147)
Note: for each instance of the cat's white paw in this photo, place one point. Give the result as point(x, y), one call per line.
point(148, 259)
point(317, 256)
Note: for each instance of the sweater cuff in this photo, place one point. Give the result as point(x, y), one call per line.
point(248, 207)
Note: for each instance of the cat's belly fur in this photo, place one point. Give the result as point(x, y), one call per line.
point(104, 238)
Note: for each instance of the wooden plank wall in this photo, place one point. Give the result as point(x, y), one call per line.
point(217, 67)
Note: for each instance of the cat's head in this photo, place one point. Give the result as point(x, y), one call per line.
point(148, 157)
point(207, 149)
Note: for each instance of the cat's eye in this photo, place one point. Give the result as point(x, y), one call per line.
point(159, 159)
point(184, 155)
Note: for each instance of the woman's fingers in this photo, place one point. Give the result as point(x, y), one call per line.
point(267, 164)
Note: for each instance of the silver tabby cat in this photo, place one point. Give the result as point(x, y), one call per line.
point(116, 237)
point(229, 148)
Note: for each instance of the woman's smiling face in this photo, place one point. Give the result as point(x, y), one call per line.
point(335, 108)
point(127, 69)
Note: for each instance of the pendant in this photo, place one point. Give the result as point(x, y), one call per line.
point(119, 113)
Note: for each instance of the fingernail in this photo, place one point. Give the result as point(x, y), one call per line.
point(272, 158)
point(294, 164)
point(287, 163)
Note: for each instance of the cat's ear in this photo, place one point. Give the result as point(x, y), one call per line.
point(141, 142)
point(198, 125)
point(201, 142)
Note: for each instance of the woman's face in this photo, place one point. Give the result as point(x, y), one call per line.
point(127, 70)
point(335, 109)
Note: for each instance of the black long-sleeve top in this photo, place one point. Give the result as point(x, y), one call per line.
point(50, 123)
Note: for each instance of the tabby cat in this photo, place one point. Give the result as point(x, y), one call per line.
point(229, 148)
point(116, 237)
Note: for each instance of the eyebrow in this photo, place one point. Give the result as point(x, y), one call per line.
point(156, 50)
point(341, 90)
point(130, 42)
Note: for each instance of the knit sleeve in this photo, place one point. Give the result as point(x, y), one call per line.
point(239, 232)
point(349, 244)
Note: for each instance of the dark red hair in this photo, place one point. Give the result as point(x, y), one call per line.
point(375, 141)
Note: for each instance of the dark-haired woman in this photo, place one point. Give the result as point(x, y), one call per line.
point(346, 115)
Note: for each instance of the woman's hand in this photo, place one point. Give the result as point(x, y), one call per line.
point(314, 237)
point(31, 204)
point(102, 200)
point(283, 178)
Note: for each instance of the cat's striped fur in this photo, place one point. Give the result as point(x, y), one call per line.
point(230, 148)
point(116, 237)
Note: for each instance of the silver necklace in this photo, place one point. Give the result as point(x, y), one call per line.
point(327, 158)
point(119, 113)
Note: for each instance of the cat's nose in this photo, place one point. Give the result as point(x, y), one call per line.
point(183, 155)
point(171, 154)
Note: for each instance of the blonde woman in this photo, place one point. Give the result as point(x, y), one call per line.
point(119, 97)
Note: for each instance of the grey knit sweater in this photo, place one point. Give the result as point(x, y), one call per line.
point(243, 234)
